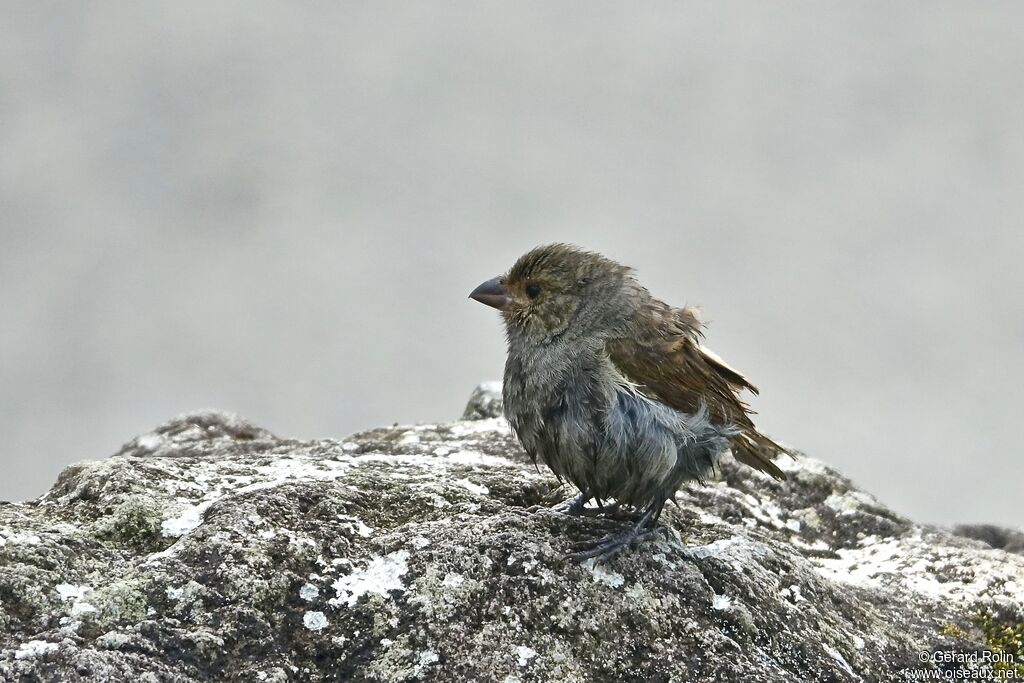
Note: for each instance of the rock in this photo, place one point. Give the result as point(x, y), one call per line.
point(484, 402)
point(1010, 540)
point(210, 549)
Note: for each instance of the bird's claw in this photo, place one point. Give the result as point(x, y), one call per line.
point(607, 547)
point(575, 507)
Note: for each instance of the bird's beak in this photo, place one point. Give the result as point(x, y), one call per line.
point(492, 293)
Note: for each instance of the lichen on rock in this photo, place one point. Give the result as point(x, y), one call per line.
point(210, 549)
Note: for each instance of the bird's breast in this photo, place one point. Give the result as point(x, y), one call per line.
point(557, 408)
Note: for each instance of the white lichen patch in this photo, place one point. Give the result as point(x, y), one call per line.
point(863, 566)
point(809, 517)
point(173, 487)
point(470, 457)
point(34, 648)
point(185, 522)
point(296, 538)
point(792, 593)
point(478, 427)
point(721, 602)
point(309, 592)
point(739, 551)
point(803, 463)
point(706, 518)
point(524, 654)
point(768, 512)
point(602, 575)
point(817, 546)
point(69, 626)
point(18, 537)
point(357, 525)
point(278, 472)
point(915, 564)
point(835, 654)
point(81, 608)
point(315, 621)
point(478, 489)
point(68, 591)
point(409, 438)
point(427, 657)
point(453, 580)
point(849, 502)
point(381, 575)
point(438, 501)
point(841, 503)
point(426, 464)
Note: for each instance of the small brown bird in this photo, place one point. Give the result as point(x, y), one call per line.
point(612, 389)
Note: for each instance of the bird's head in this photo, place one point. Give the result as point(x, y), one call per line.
point(561, 291)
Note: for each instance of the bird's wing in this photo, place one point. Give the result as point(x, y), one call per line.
point(727, 372)
point(667, 363)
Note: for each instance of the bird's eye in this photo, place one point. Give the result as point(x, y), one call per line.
point(533, 291)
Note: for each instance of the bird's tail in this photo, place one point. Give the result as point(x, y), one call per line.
point(753, 448)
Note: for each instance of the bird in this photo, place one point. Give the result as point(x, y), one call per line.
point(613, 389)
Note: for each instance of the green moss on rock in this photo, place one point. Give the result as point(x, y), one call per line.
point(1004, 637)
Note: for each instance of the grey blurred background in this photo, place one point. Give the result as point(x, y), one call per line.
point(278, 209)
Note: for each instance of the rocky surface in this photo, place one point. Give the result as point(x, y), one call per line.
point(1010, 540)
point(209, 549)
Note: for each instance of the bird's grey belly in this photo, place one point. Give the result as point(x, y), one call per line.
point(630, 449)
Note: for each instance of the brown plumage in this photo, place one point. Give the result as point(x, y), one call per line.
point(664, 358)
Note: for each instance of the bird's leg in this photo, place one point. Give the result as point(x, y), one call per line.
point(611, 545)
point(572, 506)
point(577, 507)
point(608, 510)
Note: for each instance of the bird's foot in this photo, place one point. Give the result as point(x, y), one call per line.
point(572, 506)
point(604, 549)
point(609, 546)
point(577, 507)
